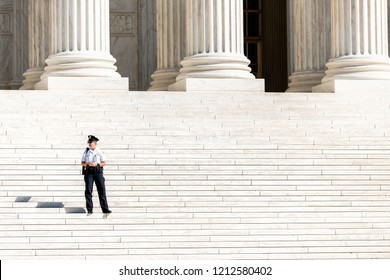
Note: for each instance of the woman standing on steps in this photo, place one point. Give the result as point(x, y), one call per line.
point(93, 161)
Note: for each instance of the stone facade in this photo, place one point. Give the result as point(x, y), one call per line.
point(85, 44)
point(186, 45)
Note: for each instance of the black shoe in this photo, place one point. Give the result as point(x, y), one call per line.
point(107, 212)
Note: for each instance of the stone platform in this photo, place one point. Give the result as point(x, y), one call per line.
point(197, 176)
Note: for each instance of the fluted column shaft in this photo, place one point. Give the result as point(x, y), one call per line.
point(20, 42)
point(215, 26)
point(39, 40)
point(359, 36)
point(171, 43)
point(82, 25)
point(81, 40)
point(215, 38)
point(310, 43)
point(361, 27)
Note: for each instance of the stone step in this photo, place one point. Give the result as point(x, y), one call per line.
point(270, 175)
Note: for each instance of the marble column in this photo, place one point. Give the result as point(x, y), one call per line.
point(359, 49)
point(388, 25)
point(309, 43)
point(215, 58)
point(39, 43)
point(81, 56)
point(20, 39)
point(171, 43)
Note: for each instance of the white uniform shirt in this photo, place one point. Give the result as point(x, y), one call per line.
point(93, 156)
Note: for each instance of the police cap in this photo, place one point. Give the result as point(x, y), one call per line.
point(92, 138)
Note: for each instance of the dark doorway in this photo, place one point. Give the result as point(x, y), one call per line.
point(265, 31)
point(252, 35)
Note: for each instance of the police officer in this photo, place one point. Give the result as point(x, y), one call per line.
point(93, 161)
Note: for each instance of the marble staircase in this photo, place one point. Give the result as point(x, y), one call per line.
point(233, 175)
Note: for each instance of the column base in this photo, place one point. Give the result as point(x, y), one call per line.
point(31, 77)
point(354, 86)
point(215, 66)
point(82, 83)
point(161, 79)
point(304, 81)
point(194, 84)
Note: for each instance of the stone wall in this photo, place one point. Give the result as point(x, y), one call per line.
point(13, 42)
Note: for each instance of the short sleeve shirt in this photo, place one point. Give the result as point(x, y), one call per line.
point(93, 156)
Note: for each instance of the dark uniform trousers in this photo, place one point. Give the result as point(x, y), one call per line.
point(101, 188)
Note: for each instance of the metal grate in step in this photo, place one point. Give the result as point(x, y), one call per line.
point(74, 210)
point(23, 199)
point(50, 205)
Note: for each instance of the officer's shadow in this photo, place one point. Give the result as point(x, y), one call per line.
point(105, 215)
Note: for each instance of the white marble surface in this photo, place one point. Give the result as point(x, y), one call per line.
point(222, 85)
point(171, 43)
point(215, 43)
point(309, 47)
point(218, 178)
point(359, 49)
point(81, 43)
point(354, 86)
point(82, 83)
point(133, 42)
point(40, 43)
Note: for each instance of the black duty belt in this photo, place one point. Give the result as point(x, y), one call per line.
point(91, 170)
